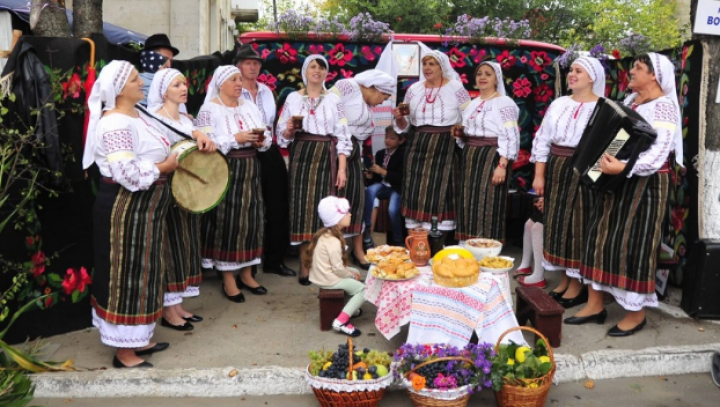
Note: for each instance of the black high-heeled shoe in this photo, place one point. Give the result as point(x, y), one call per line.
point(581, 298)
point(304, 280)
point(259, 290)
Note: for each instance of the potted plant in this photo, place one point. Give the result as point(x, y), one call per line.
point(444, 375)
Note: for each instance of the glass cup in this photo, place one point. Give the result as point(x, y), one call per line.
point(404, 109)
point(260, 132)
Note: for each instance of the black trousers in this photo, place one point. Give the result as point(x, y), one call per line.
point(274, 181)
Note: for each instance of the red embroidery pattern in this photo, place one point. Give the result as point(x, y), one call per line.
point(117, 140)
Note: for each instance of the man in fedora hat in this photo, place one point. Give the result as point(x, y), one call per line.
point(274, 174)
point(156, 55)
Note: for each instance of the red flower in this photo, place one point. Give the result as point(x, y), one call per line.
point(622, 79)
point(38, 261)
point(523, 59)
point(265, 53)
point(316, 49)
point(437, 26)
point(543, 93)
point(521, 181)
point(506, 60)
point(616, 54)
point(339, 56)
point(268, 79)
point(367, 53)
point(677, 217)
point(287, 54)
point(30, 241)
point(330, 76)
point(346, 74)
point(477, 55)
point(76, 280)
point(255, 45)
point(48, 302)
point(523, 158)
point(539, 60)
point(457, 58)
point(521, 87)
point(684, 57)
point(463, 78)
point(72, 87)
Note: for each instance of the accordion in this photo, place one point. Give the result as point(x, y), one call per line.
point(613, 129)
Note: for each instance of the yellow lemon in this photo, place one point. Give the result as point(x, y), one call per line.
point(457, 250)
point(521, 353)
point(544, 359)
point(533, 385)
point(511, 362)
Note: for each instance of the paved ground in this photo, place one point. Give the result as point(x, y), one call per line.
point(676, 391)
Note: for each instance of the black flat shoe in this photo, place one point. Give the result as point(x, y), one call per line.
point(281, 270)
point(234, 298)
point(617, 332)
point(120, 365)
point(304, 281)
point(364, 266)
point(581, 298)
point(597, 318)
point(184, 327)
point(193, 318)
point(159, 347)
point(555, 295)
point(259, 290)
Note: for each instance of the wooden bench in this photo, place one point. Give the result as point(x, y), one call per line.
point(543, 312)
point(332, 303)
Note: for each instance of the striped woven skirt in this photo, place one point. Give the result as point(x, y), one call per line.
point(624, 235)
point(561, 186)
point(354, 190)
point(233, 231)
point(481, 205)
point(182, 239)
point(310, 181)
point(430, 176)
point(129, 266)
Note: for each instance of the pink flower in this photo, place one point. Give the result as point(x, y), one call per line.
point(287, 54)
point(463, 78)
point(477, 55)
point(331, 76)
point(346, 74)
point(544, 76)
point(367, 53)
point(265, 53)
point(521, 87)
point(444, 382)
point(268, 79)
point(339, 56)
point(523, 59)
point(316, 49)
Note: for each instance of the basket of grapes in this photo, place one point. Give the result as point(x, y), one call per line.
point(349, 377)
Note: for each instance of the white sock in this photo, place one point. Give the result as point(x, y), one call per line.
point(537, 248)
point(527, 245)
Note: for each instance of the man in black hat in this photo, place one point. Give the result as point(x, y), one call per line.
point(156, 55)
point(274, 174)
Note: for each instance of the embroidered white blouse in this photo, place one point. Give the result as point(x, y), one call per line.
point(265, 102)
point(221, 123)
point(324, 118)
point(663, 117)
point(359, 114)
point(128, 150)
point(185, 126)
point(435, 107)
point(563, 125)
point(494, 118)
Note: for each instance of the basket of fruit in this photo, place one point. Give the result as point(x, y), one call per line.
point(349, 378)
point(441, 375)
point(522, 376)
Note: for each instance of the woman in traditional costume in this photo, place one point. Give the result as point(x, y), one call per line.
point(167, 94)
point(318, 151)
point(491, 142)
point(232, 232)
point(128, 216)
point(431, 171)
point(625, 228)
point(359, 95)
point(567, 203)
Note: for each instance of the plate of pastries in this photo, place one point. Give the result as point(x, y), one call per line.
point(386, 252)
point(395, 270)
point(455, 271)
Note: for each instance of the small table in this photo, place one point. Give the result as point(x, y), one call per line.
point(442, 315)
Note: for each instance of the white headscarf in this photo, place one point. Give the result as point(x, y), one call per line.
point(309, 59)
point(498, 75)
point(447, 70)
point(373, 78)
point(665, 76)
point(107, 87)
point(596, 71)
point(161, 81)
point(221, 74)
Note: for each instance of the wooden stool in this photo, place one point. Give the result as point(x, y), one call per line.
point(332, 303)
point(544, 313)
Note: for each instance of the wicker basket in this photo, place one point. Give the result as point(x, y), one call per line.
point(424, 398)
point(359, 397)
point(513, 395)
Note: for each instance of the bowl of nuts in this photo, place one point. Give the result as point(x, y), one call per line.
point(481, 248)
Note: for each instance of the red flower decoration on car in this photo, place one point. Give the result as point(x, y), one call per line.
point(543, 93)
point(316, 49)
point(76, 280)
point(438, 26)
point(506, 60)
point(521, 87)
point(72, 87)
point(265, 53)
point(539, 60)
point(523, 158)
point(268, 79)
point(463, 78)
point(457, 58)
point(477, 55)
point(48, 302)
point(330, 76)
point(616, 54)
point(38, 264)
point(339, 56)
point(622, 80)
point(367, 53)
point(286, 54)
point(346, 74)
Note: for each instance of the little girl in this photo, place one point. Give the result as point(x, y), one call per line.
point(327, 261)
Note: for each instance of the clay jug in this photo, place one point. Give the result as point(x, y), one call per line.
point(418, 245)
